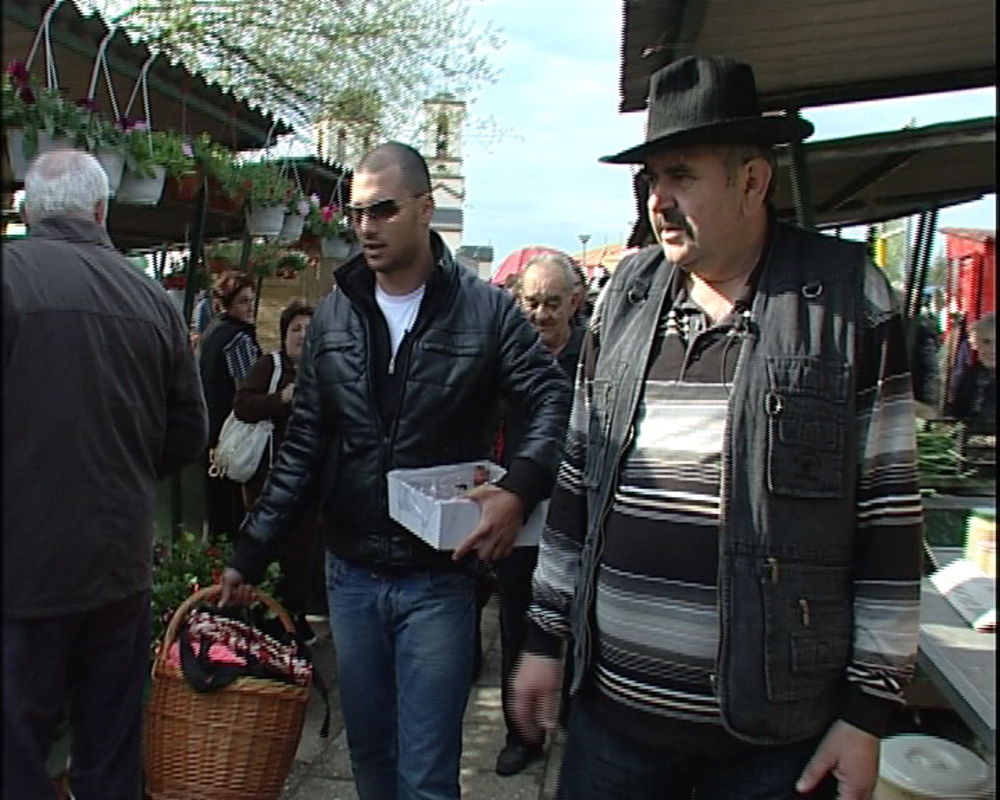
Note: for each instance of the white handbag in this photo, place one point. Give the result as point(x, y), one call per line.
point(242, 444)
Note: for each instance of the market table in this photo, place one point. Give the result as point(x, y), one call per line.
point(959, 661)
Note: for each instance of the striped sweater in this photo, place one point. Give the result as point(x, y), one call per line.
point(656, 602)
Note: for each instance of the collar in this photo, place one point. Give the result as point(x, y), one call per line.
point(71, 229)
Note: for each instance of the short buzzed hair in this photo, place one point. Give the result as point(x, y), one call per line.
point(411, 165)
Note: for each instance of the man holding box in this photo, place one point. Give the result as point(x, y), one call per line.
point(405, 366)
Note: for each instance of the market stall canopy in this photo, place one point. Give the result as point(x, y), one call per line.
point(881, 176)
point(179, 100)
point(816, 52)
point(872, 178)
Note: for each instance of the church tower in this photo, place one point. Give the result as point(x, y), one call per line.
point(444, 119)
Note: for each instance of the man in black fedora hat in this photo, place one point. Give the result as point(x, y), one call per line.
point(733, 545)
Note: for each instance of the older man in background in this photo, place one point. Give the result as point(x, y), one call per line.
point(101, 400)
point(550, 295)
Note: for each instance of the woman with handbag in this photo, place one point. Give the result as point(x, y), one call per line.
point(226, 352)
point(300, 557)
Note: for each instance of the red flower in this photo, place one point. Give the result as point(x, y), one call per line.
point(27, 96)
point(88, 103)
point(18, 71)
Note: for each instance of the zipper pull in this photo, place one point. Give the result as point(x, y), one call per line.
point(772, 564)
point(804, 606)
point(392, 364)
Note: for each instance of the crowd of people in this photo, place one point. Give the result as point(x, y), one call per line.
point(724, 601)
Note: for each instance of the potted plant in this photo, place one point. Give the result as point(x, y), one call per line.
point(222, 256)
point(335, 232)
point(104, 139)
point(35, 121)
point(268, 193)
point(225, 185)
point(296, 212)
point(182, 186)
point(149, 157)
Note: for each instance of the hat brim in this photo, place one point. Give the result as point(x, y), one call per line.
point(769, 130)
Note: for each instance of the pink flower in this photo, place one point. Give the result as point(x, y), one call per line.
point(326, 213)
point(187, 149)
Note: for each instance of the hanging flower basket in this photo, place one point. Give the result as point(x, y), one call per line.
point(291, 228)
point(138, 190)
point(335, 247)
point(183, 188)
point(265, 220)
point(113, 163)
point(222, 202)
point(19, 163)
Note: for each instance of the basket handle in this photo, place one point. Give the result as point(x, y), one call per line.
point(211, 593)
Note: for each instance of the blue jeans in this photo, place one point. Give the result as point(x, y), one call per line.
point(599, 764)
point(404, 659)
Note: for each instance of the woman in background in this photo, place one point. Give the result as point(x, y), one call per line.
point(226, 352)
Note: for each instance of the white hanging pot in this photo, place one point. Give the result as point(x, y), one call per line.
point(113, 163)
point(138, 190)
point(265, 220)
point(19, 163)
point(291, 228)
point(47, 144)
point(334, 247)
point(15, 153)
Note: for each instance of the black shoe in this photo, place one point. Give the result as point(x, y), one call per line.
point(304, 631)
point(516, 756)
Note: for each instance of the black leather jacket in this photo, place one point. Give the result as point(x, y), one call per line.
point(353, 420)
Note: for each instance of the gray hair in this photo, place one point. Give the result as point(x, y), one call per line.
point(64, 183)
point(560, 260)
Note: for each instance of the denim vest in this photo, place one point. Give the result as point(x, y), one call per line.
point(789, 462)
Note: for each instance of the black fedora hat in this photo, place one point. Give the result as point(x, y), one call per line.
point(707, 100)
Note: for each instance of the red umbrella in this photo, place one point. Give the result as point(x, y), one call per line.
point(514, 263)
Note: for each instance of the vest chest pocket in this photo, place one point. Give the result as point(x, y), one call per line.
point(806, 412)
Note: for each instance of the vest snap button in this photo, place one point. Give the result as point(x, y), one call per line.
point(812, 290)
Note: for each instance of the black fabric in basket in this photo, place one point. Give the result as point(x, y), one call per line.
point(204, 675)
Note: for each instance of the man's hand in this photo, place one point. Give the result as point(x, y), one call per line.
point(234, 591)
point(500, 521)
point(537, 683)
point(851, 754)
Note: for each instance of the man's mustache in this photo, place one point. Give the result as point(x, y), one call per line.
point(673, 218)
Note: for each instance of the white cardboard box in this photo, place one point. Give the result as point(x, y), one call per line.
point(429, 502)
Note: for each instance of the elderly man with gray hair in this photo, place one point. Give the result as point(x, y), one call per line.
point(550, 293)
point(101, 400)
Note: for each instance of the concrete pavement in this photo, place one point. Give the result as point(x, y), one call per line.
point(322, 768)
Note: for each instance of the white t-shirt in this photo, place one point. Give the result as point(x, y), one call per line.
point(400, 312)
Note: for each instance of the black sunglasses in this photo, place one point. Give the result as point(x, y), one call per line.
point(379, 211)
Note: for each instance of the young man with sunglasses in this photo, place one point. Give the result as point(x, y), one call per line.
point(405, 365)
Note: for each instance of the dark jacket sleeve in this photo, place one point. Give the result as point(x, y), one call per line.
point(532, 381)
point(252, 402)
point(291, 484)
point(186, 434)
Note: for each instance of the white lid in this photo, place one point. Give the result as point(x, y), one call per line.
point(933, 767)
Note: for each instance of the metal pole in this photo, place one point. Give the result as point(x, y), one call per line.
point(910, 303)
point(801, 187)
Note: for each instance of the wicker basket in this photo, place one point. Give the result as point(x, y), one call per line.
point(236, 743)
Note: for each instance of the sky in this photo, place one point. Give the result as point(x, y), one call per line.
point(557, 99)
